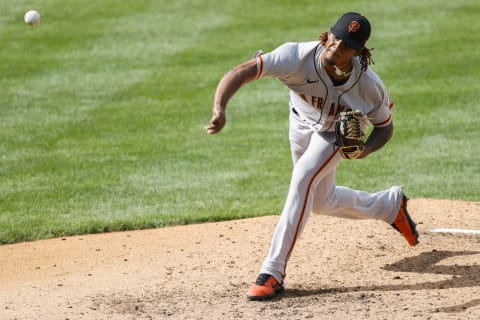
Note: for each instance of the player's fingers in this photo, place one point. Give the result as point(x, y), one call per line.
point(210, 128)
point(213, 129)
point(216, 123)
point(214, 126)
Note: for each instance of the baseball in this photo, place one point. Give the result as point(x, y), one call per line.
point(32, 17)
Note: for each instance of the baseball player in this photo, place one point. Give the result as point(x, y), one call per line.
point(325, 77)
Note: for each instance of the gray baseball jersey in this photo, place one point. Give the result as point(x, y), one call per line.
point(313, 94)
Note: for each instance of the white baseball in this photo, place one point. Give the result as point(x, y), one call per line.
point(32, 17)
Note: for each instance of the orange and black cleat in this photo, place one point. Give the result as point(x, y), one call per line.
point(266, 287)
point(405, 225)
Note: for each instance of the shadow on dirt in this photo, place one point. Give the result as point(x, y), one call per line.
point(426, 262)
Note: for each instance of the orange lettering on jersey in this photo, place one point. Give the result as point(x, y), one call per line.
point(317, 102)
point(342, 108)
point(320, 103)
point(332, 110)
point(303, 97)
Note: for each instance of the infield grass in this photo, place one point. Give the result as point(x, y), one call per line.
point(103, 106)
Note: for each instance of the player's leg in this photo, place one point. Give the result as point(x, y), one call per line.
point(317, 161)
point(345, 202)
point(388, 205)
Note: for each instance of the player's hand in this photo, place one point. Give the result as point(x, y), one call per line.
point(217, 122)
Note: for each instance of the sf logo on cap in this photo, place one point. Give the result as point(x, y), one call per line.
point(354, 26)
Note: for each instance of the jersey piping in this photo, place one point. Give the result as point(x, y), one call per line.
point(259, 67)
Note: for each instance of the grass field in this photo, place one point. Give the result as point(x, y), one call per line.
point(103, 106)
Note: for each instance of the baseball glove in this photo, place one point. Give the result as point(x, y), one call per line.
point(350, 132)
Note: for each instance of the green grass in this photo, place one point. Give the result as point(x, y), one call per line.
point(103, 106)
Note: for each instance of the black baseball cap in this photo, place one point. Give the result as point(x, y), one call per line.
point(353, 28)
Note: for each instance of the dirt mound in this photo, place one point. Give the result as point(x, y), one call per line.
point(340, 269)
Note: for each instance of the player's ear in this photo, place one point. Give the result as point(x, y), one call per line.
point(359, 52)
